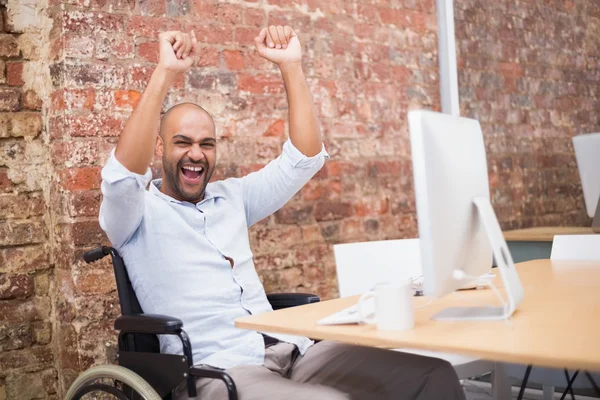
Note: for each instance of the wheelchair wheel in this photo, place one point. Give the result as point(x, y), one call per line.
point(111, 382)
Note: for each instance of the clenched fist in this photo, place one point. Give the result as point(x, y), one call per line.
point(178, 51)
point(279, 44)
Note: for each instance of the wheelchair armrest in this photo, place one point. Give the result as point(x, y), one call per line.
point(206, 371)
point(285, 300)
point(148, 323)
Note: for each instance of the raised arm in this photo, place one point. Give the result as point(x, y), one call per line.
point(281, 46)
point(267, 190)
point(126, 174)
point(178, 52)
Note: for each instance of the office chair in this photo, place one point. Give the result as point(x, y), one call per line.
point(143, 372)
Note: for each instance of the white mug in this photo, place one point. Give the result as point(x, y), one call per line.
point(393, 307)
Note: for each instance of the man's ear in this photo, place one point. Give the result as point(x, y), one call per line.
point(159, 149)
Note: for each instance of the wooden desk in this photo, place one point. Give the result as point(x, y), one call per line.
point(557, 325)
point(536, 243)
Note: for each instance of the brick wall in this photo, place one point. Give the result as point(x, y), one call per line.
point(70, 77)
point(528, 71)
point(27, 357)
point(363, 74)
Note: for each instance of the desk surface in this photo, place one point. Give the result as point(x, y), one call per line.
point(557, 325)
point(544, 233)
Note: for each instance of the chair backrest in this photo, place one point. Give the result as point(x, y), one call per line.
point(576, 247)
point(127, 298)
point(131, 306)
point(361, 265)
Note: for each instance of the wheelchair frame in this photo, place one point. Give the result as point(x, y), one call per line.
point(138, 345)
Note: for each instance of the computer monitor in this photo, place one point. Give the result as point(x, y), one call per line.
point(587, 153)
point(458, 229)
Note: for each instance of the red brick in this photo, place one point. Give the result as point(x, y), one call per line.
point(70, 99)
point(86, 203)
point(313, 190)
point(213, 34)
point(119, 47)
point(35, 358)
point(10, 99)
point(367, 12)
point(154, 7)
point(87, 233)
point(93, 125)
point(148, 51)
point(299, 22)
point(150, 27)
point(14, 233)
point(245, 36)
point(92, 22)
point(14, 73)
point(79, 153)
point(31, 101)
point(327, 211)
point(79, 47)
point(294, 214)
point(84, 75)
point(24, 259)
point(21, 206)
point(234, 59)
point(416, 21)
point(277, 129)
point(83, 178)
point(255, 17)
point(227, 14)
point(127, 99)
point(365, 207)
point(260, 84)
point(9, 47)
point(5, 183)
point(96, 281)
point(14, 337)
point(510, 69)
point(15, 286)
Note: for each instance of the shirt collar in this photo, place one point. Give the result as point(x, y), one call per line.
point(209, 192)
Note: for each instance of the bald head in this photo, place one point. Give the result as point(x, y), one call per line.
point(182, 112)
point(188, 147)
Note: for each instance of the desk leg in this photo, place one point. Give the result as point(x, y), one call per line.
point(548, 392)
point(501, 388)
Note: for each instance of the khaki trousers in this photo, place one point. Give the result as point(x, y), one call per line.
point(332, 371)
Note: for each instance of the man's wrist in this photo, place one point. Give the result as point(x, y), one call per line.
point(164, 76)
point(291, 69)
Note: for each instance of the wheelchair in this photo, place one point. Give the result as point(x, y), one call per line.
point(143, 372)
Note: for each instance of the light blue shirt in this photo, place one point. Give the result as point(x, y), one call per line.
point(175, 252)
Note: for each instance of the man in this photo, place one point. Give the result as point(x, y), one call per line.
point(185, 244)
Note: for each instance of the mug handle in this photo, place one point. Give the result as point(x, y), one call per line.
point(370, 318)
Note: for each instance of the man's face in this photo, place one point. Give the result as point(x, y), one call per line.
point(187, 146)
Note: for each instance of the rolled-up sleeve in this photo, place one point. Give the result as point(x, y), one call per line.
point(267, 190)
point(122, 205)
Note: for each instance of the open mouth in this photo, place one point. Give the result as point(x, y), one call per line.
point(192, 174)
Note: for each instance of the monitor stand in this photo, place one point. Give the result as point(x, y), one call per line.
point(596, 221)
point(506, 266)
